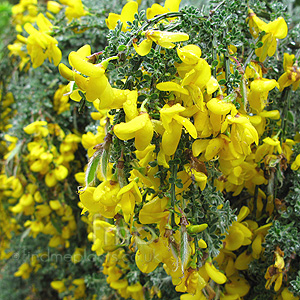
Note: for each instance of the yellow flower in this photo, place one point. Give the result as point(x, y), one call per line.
point(140, 128)
point(24, 271)
point(150, 254)
point(154, 211)
point(237, 285)
point(60, 100)
point(269, 146)
point(128, 196)
point(238, 234)
point(96, 85)
point(210, 147)
point(16, 49)
point(104, 237)
point(255, 23)
point(53, 7)
point(296, 164)
point(287, 295)
point(127, 15)
point(106, 193)
point(292, 73)
point(219, 106)
point(37, 128)
point(74, 10)
point(259, 91)
point(243, 133)
point(196, 74)
point(41, 45)
point(189, 54)
point(163, 38)
point(136, 291)
point(259, 120)
point(59, 286)
point(274, 30)
point(156, 9)
point(173, 123)
point(92, 204)
point(198, 176)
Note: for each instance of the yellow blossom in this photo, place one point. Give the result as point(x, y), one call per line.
point(156, 9)
point(140, 128)
point(74, 10)
point(274, 30)
point(127, 15)
point(128, 196)
point(292, 73)
point(163, 38)
point(173, 123)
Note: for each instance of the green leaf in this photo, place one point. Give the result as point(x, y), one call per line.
point(259, 44)
point(122, 48)
point(184, 247)
point(92, 168)
point(290, 117)
point(14, 152)
point(104, 162)
point(214, 63)
point(222, 81)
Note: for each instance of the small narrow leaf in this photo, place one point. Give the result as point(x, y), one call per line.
point(104, 162)
point(184, 247)
point(14, 152)
point(92, 168)
point(290, 117)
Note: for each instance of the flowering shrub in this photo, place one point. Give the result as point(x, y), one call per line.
point(180, 137)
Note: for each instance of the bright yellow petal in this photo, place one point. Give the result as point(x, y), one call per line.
point(84, 66)
point(170, 139)
point(124, 130)
point(65, 72)
point(112, 20)
point(189, 54)
point(172, 5)
point(219, 107)
point(189, 126)
point(199, 146)
point(144, 136)
point(143, 48)
point(278, 28)
point(172, 87)
point(127, 14)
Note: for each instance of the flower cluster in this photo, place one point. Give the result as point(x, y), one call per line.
point(192, 150)
point(198, 122)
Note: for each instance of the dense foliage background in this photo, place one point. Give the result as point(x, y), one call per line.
point(144, 169)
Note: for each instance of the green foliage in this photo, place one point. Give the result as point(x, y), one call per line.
point(213, 31)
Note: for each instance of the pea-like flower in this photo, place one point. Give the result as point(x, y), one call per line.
point(291, 76)
point(127, 15)
point(140, 128)
point(156, 9)
point(173, 123)
point(259, 91)
point(274, 30)
point(40, 45)
point(89, 78)
point(164, 39)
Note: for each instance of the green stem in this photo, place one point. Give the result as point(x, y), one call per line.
point(227, 65)
point(214, 55)
point(255, 200)
point(173, 194)
point(286, 99)
point(248, 60)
